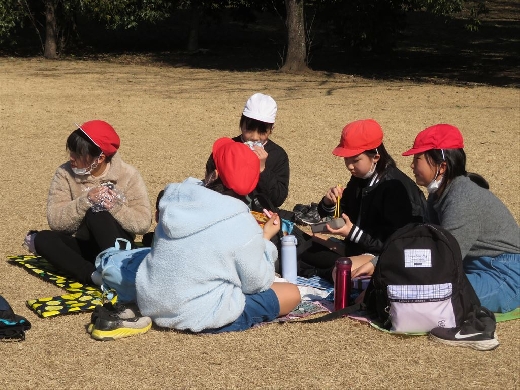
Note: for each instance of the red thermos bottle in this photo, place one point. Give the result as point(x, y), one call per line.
point(343, 281)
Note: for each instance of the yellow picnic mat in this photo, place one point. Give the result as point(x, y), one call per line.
point(79, 297)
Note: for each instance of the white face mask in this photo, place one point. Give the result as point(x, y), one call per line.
point(371, 172)
point(81, 171)
point(86, 171)
point(434, 184)
point(252, 144)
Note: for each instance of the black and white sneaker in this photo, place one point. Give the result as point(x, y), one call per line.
point(112, 327)
point(114, 321)
point(477, 332)
point(306, 215)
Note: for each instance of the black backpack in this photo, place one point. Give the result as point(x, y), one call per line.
point(12, 326)
point(419, 282)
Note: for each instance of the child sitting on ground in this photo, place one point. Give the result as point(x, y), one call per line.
point(487, 233)
point(211, 269)
point(94, 198)
point(460, 202)
point(256, 126)
point(377, 200)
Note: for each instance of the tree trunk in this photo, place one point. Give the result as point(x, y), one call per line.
point(51, 33)
point(193, 39)
point(295, 60)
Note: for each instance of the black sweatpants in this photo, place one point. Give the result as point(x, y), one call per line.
point(76, 256)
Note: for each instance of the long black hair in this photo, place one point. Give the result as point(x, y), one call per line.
point(455, 160)
point(385, 160)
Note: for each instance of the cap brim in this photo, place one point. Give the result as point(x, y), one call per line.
point(342, 152)
point(415, 151)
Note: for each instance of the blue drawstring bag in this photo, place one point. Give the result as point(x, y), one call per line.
point(118, 268)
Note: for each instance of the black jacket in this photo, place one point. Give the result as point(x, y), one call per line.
point(274, 180)
point(378, 209)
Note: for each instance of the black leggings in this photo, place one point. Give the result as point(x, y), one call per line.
point(76, 256)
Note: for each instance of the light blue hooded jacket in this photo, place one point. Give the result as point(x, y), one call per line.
point(208, 252)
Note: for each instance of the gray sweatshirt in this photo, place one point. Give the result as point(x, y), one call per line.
point(481, 223)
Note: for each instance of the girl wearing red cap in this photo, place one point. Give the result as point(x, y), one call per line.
point(487, 233)
point(94, 198)
point(378, 200)
point(211, 269)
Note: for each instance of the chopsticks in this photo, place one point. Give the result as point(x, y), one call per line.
point(336, 209)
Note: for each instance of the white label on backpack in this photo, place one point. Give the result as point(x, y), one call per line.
point(417, 258)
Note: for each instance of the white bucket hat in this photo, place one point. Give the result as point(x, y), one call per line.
point(261, 107)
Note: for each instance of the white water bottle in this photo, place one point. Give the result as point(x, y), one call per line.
point(289, 266)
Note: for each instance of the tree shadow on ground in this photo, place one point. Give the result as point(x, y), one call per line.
point(432, 49)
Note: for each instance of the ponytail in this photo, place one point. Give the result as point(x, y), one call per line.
point(478, 180)
point(455, 160)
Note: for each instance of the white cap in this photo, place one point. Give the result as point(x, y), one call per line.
point(261, 107)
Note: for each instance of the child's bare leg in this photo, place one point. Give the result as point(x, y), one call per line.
point(288, 296)
point(357, 261)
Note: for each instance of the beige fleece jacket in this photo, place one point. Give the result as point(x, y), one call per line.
point(68, 203)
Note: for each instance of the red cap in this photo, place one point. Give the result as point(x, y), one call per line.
point(358, 137)
point(103, 135)
point(238, 166)
point(440, 136)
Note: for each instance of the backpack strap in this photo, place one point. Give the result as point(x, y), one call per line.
point(335, 314)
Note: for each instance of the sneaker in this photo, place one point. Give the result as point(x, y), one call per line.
point(301, 208)
point(477, 332)
point(120, 310)
point(308, 216)
point(112, 327)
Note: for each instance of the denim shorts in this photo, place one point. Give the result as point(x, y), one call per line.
point(496, 280)
point(261, 307)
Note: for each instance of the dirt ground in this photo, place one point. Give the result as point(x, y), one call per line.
point(167, 119)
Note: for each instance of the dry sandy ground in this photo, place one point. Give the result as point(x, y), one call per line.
point(167, 119)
